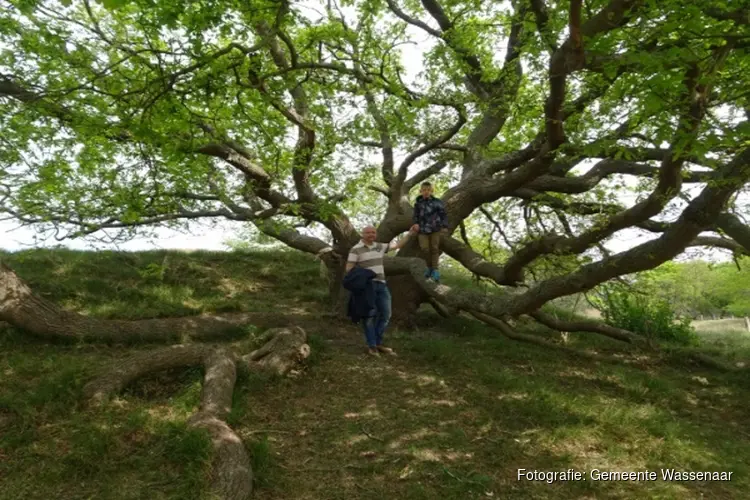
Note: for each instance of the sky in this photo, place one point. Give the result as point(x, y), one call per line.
point(200, 237)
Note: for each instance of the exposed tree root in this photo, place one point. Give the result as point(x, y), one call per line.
point(232, 473)
point(142, 364)
point(284, 348)
point(232, 477)
point(20, 307)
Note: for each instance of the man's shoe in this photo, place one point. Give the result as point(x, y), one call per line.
point(435, 275)
point(386, 350)
point(373, 351)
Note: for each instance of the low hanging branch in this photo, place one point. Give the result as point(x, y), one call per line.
point(584, 325)
point(495, 311)
point(509, 332)
point(34, 315)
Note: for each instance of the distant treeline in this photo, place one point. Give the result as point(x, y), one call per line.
point(695, 289)
point(701, 289)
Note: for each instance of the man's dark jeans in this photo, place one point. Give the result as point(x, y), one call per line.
point(375, 325)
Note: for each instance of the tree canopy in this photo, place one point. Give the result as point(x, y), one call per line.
point(553, 126)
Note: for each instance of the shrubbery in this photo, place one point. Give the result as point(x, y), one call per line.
point(646, 315)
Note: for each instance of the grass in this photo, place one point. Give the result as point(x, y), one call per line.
point(453, 416)
point(727, 338)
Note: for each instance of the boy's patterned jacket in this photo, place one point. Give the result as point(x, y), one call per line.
point(430, 214)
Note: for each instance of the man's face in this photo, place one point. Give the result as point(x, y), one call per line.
point(368, 235)
point(425, 191)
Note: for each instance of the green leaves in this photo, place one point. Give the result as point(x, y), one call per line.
point(124, 101)
point(114, 4)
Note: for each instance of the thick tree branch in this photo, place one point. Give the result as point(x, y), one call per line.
point(501, 93)
point(305, 146)
point(735, 229)
point(293, 238)
point(541, 14)
point(614, 15)
point(602, 170)
point(584, 325)
point(701, 213)
point(718, 242)
point(386, 143)
point(424, 174)
point(668, 186)
point(410, 20)
point(430, 146)
point(255, 174)
point(567, 58)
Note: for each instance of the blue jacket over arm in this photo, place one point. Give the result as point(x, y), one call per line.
point(362, 298)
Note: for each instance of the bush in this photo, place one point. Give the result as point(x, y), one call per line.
point(648, 316)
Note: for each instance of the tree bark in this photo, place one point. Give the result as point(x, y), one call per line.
point(406, 297)
point(338, 296)
point(232, 477)
point(406, 294)
point(142, 364)
point(283, 349)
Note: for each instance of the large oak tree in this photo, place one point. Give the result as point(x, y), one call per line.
point(541, 118)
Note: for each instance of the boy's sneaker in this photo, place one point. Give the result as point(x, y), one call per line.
point(428, 273)
point(435, 275)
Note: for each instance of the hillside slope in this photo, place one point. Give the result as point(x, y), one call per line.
point(455, 415)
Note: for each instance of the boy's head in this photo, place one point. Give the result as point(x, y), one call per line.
point(425, 190)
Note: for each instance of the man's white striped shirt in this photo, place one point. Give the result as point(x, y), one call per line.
point(370, 257)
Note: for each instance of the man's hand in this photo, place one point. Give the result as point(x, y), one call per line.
point(399, 244)
point(444, 231)
point(414, 228)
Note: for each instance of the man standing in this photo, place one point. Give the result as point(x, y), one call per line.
point(431, 220)
point(368, 254)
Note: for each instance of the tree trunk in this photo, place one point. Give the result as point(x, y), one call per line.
point(406, 296)
point(338, 296)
